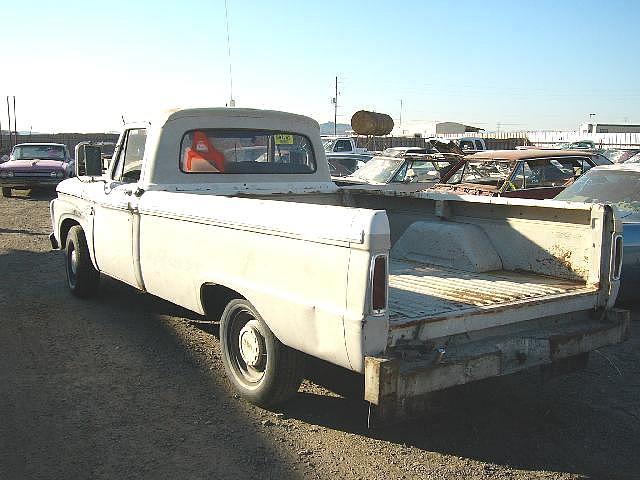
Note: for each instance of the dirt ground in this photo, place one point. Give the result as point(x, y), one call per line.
point(129, 386)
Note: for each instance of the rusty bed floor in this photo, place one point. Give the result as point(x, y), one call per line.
point(420, 291)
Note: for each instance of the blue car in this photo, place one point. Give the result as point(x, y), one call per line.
point(618, 185)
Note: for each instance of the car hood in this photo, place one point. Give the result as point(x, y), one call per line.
point(34, 164)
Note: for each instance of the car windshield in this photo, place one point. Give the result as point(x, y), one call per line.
point(397, 152)
point(378, 169)
point(328, 145)
point(40, 152)
point(620, 188)
point(484, 172)
point(421, 171)
point(634, 159)
point(619, 155)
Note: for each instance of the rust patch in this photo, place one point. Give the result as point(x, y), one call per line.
point(559, 343)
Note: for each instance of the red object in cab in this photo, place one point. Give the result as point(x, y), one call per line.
point(202, 156)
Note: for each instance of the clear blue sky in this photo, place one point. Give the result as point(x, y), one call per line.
point(80, 65)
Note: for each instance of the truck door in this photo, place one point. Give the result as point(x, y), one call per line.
point(115, 213)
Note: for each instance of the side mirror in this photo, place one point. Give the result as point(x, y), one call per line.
point(88, 161)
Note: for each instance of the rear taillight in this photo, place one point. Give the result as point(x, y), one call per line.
point(379, 284)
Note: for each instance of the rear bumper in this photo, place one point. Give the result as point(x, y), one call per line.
point(398, 384)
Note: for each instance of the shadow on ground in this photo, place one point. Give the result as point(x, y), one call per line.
point(130, 385)
point(113, 387)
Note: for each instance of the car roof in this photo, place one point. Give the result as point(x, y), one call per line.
point(515, 155)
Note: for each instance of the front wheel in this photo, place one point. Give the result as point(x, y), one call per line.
point(82, 277)
point(6, 191)
point(262, 369)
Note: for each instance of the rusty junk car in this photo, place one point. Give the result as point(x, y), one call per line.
point(536, 174)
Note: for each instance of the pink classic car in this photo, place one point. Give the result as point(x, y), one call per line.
point(34, 165)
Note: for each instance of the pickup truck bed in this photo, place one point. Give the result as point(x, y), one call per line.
point(428, 294)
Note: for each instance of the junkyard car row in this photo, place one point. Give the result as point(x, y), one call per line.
point(417, 292)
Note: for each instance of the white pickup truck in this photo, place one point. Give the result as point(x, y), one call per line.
point(341, 145)
point(231, 213)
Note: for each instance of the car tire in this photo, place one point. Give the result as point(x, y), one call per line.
point(262, 369)
point(6, 191)
point(82, 277)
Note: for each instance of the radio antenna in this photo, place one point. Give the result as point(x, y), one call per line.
point(232, 102)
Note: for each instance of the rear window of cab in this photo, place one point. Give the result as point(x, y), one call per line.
point(231, 151)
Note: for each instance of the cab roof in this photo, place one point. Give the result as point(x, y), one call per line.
point(226, 112)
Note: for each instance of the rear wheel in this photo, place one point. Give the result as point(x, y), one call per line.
point(6, 191)
point(82, 277)
point(261, 368)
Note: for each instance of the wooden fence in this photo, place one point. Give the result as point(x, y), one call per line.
point(69, 139)
point(557, 137)
point(505, 142)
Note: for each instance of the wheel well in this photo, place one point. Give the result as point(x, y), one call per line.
point(215, 298)
point(64, 230)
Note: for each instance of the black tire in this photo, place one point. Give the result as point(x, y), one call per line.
point(273, 371)
point(6, 191)
point(82, 277)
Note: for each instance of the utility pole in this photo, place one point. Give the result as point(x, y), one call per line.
point(9, 117)
point(335, 110)
point(15, 125)
point(401, 116)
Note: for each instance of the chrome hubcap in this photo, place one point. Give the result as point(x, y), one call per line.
point(74, 261)
point(251, 345)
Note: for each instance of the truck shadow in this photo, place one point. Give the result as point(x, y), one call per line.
point(586, 423)
point(115, 387)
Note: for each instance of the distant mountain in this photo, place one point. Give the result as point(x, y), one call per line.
point(327, 128)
